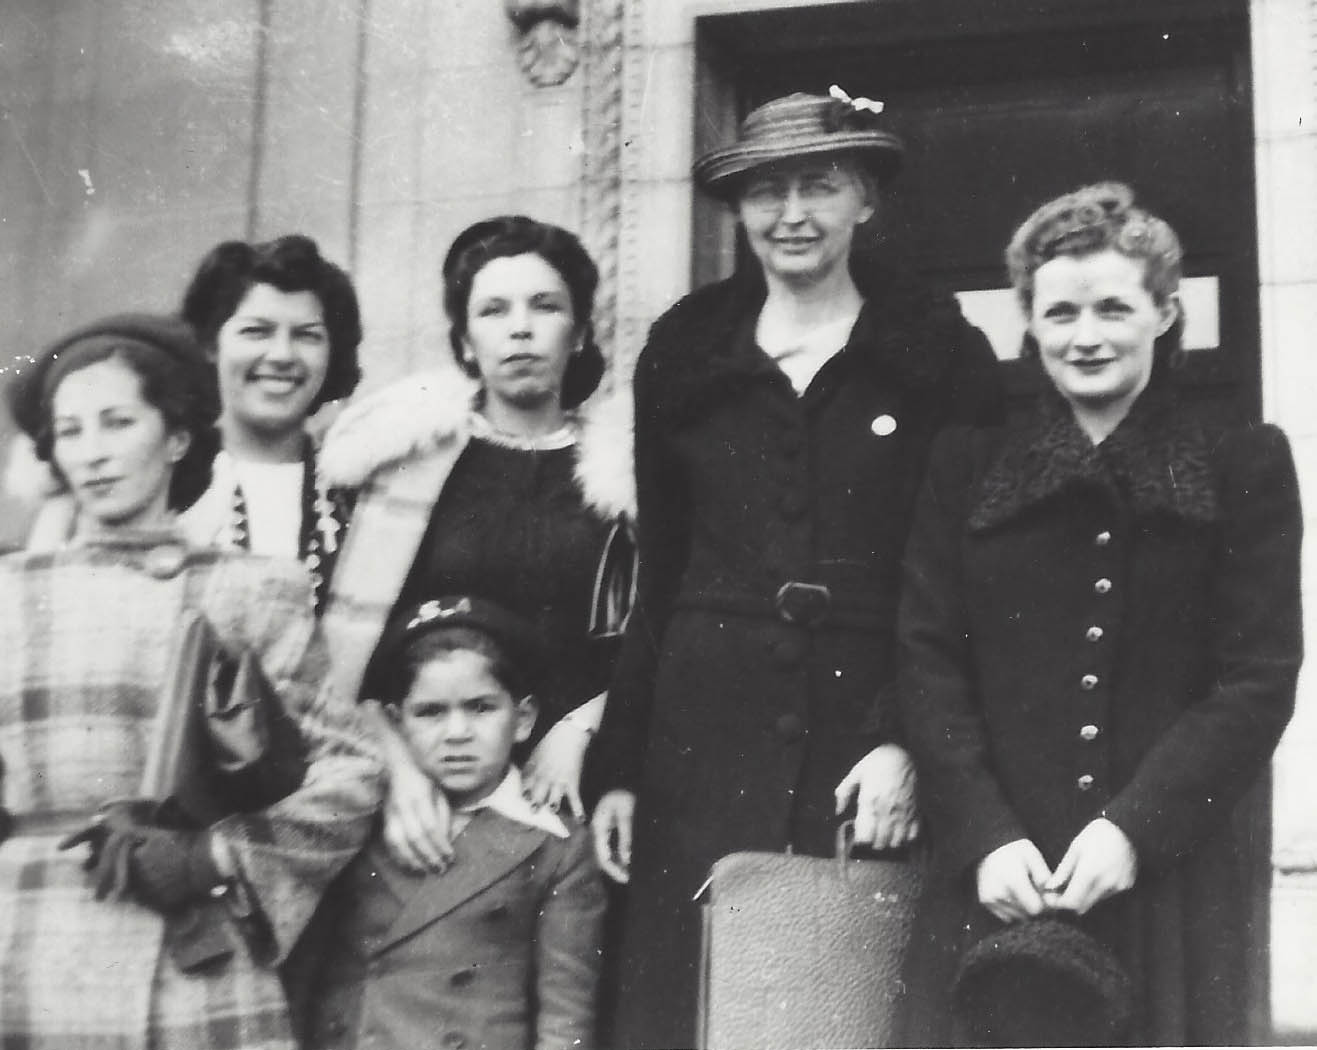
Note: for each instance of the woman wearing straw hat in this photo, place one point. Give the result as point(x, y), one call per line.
point(782, 422)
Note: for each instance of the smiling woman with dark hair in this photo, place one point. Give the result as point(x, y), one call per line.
point(280, 327)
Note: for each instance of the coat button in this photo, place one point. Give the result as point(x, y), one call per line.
point(1102, 586)
point(1102, 538)
point(789, 727)
point(883, 425)
point(1094, 634)
point(1085, 782)
point(1088, 683)
point(1089, 732)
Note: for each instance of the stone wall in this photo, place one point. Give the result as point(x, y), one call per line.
point(1285, 122)
point(136, 134)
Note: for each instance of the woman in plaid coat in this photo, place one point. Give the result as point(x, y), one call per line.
point(123, 411)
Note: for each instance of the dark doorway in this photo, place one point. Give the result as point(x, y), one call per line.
point(1004, 104)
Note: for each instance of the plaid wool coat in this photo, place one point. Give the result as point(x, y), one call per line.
point(85, 635)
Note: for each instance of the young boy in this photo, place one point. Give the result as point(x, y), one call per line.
point(502, 950)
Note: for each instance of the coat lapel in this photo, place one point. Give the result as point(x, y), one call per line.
point(1156, 461)
point(390, 520)
point(489, 848)
point(906, 332)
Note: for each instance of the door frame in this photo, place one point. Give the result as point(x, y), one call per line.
point(728, 47)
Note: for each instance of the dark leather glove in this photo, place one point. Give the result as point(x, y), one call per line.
point(168, 870)
point(164, 869)
point(109, 839)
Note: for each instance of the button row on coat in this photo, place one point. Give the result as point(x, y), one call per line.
point(1088, 733)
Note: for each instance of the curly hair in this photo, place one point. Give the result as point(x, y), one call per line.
point(292, 263)
point(510, 235)
point(1093, 219)
point(1089, 220)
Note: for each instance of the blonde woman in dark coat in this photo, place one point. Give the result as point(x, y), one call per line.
point(1100, 637)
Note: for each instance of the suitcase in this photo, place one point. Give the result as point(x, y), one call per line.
point(803, 951)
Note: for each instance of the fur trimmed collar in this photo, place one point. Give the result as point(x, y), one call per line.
point(703, 350)
point(1159, 460)
point(26, 478)
point(419, 413)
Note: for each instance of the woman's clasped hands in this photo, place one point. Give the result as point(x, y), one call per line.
point(1015, 883)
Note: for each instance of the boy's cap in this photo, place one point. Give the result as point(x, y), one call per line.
point(514, 633)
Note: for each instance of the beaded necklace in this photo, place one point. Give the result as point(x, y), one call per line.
point(321, 523)
point(564, 437)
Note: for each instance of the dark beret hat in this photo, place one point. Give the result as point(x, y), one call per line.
point(516, 635)
point(168, 334)
point(1042, 982)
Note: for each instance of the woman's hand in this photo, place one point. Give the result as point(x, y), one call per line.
point(417, 818)
point(883, 785)
point(1100, 863)
point(1011, 880)
point(612, 826)
point(553, 772)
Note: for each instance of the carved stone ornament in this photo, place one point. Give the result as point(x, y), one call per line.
point(548, 50)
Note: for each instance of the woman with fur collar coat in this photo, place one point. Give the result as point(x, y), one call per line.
point(1100, 636)
point(493, 484)
point(783, 418)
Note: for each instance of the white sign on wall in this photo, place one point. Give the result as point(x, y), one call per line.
point(997, 312)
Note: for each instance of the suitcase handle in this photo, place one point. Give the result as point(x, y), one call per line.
point(845, 843)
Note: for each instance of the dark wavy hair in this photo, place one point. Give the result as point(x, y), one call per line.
point(1095, 219)
point(179, 386)
point(509, 235)
point(292, 264)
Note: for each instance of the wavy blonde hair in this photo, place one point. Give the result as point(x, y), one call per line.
point(1094, 219)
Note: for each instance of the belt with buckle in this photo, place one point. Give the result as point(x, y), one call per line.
point(801, 603)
